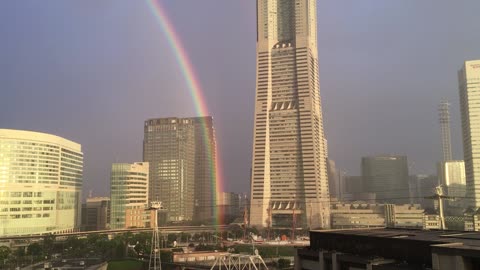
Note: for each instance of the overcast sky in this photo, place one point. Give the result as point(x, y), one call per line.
point(92, 71)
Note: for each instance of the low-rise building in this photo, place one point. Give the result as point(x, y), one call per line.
point(366, 215)
point(432, 222)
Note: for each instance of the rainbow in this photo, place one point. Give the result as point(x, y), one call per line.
point(196, 93)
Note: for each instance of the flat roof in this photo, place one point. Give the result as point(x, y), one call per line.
point(436, 236)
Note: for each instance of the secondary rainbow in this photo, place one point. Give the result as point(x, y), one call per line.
point(195, 90)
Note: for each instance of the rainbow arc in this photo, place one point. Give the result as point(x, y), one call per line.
point(196, 93)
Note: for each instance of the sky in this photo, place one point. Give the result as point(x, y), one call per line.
point(92, 71)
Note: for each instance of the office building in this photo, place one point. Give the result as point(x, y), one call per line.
point(421, 186)
point(96, 214)
point(336, 180)
point(289, 163)
point(387, 177)
point(451, 175)
point(40, 183)
point(229, 206)
point(129, 195)
point(389, 249)
point(469, 86)
point(182, 157)
point(444, 119)
point(353, 185)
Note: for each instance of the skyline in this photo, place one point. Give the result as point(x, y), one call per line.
point(89, 107)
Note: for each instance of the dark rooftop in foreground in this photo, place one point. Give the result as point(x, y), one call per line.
point(468, 239)
point(391, 248)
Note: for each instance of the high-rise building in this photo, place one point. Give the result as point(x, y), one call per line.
point(96, 214)
point(182, 157)
point(422, 186)
point(129, 195)
point(469, 86)
point(451, 174)
point(387, 177)
point(289, 177)
point(336, 180)
point(229, 205)
point(444, 117)
point(40, 183)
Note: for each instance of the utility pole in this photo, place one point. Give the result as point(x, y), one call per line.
point(269, 223)
point(155, 262)
point(245, 223)
point(294, 221)
point(439, 197)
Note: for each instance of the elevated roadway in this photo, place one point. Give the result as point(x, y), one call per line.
point(169, 229)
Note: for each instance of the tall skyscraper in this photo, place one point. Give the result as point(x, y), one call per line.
point(469, 86)
point(41, 179)
point(182, 157)
point(129, 195)
point(444, 117)
point(387, 177)
point(289, 169)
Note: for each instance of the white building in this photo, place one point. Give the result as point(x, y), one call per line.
point(289, 169)
point(451, 174)
point(469, 86)
point(129, 195)
point(40, 183)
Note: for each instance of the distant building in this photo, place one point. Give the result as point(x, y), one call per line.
point(387, 177)
point(96, 214)
point(424, 187)
point(129, 195)
point(471, 219)
point(368, 215)
point(451, 175)
point(444, 119)
point(336, 180)
point(432, 222)
point(182, 157)
point(389, 249)
point(469, 86)
point(229, 205)
point(353, 185)
point(41, 179)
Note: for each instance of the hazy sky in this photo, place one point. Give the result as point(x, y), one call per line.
point(92, 71)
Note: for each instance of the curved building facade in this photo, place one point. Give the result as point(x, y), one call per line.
point(40, 183)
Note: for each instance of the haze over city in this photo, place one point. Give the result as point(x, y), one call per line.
point(94, 71)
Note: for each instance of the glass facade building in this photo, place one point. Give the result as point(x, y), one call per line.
point(469, 86)
point(387, 177)
point(128, 195)
point(40, 183)
point(182, 157)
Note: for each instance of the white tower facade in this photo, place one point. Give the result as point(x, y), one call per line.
point(289, 183)
point(469, 86)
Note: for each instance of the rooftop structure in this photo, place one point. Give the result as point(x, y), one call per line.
point(383, 249)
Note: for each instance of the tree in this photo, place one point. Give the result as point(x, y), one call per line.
point(4, 253)
point(283, 263)
point(34, 249)
point(48, 243)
